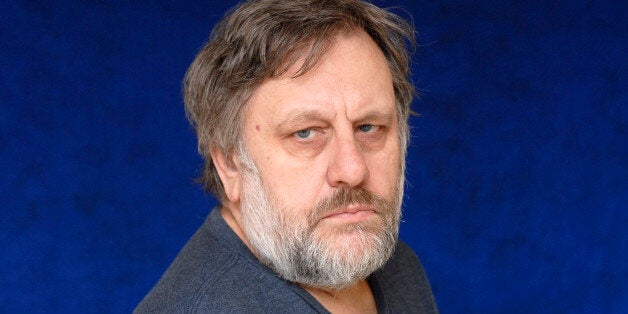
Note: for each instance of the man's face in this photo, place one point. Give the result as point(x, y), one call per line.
point(325, 152)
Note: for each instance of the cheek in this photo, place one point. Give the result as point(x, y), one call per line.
point(384, 171)
point(296, 187)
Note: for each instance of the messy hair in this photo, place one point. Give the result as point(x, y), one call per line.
point(262, 39)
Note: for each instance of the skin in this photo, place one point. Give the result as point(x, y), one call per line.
point(336, 125)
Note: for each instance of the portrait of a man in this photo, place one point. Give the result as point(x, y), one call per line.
point(313, 156)
point(301, 111)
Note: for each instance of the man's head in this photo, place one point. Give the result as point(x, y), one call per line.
point(301, 112)
point(261, 40)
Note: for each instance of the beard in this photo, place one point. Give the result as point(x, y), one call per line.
point(306, 249)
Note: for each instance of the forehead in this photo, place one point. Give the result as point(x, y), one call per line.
point(353, 74)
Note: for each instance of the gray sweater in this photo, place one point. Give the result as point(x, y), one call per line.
point(216, 273)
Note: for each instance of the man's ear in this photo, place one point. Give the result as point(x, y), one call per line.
point(229, 172)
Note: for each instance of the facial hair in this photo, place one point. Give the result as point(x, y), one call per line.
point(305, 249)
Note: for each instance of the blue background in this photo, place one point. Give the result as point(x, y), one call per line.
point(517, 193)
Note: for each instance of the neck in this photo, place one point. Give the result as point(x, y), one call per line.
point(233, 219)
point(356, 299)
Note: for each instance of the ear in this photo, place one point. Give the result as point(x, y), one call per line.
point(229, 172)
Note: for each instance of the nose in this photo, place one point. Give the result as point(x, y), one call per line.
point(347, 165)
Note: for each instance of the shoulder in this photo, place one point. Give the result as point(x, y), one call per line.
point(211, 274)
point(405, 260)
point(404, 284)
point(200, 265)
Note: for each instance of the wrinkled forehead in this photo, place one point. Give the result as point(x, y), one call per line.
point(313, 59)
point(306, 54)
point(352, 79)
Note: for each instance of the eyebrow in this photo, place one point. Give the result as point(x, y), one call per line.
point(317, 115)
point(301, 117)
point(376, 115)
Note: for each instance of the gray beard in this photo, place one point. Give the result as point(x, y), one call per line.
point(330, 257)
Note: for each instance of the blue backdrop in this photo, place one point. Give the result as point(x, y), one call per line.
point(517, 185)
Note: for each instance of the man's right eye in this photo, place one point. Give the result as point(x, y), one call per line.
point(304, 134)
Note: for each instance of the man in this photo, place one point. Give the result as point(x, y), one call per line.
point(301, 112)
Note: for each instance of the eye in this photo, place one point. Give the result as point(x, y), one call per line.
point(304, 134)
point(368, 128)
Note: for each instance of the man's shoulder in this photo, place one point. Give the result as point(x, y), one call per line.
point(212, 275)
point(198, 270)
point(404, 284)
point(404, 259)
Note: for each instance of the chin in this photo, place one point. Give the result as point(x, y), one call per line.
point(354, 241)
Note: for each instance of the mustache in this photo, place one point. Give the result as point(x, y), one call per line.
point(346, 196)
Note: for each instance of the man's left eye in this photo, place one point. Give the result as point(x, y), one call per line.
point(304, 134)
point(366, 128)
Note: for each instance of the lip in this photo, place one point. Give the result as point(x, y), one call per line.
point(351, 214)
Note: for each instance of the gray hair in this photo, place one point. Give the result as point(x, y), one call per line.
point(263, 39)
